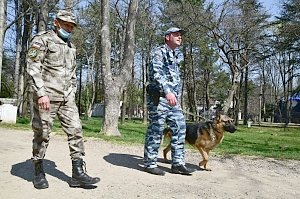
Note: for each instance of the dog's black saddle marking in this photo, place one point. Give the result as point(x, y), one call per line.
point(193, 129)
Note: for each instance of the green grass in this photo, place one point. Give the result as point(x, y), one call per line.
point(278, 143)
point(132, 132)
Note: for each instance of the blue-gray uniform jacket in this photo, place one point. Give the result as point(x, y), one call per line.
point(164, 73)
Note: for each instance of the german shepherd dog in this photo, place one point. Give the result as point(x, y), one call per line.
point(204, 136)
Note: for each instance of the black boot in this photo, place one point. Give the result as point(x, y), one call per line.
point(39, 181)
point(181, 169)
point(79, 176)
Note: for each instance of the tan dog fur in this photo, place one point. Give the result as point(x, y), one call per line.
point(204, 136)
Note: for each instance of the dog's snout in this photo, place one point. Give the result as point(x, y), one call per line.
point(230, 128)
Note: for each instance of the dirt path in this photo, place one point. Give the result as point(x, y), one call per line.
point(122, 177)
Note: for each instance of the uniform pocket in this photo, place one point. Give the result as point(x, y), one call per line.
point(54, 54)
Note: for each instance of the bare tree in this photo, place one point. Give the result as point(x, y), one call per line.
point(42, 16)
point(3, 8)
point(189, 81)
point(26, 35)
point(114, 84)
point(90, 80)
point(18, 49)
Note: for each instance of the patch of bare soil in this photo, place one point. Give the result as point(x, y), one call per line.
point(122, 176)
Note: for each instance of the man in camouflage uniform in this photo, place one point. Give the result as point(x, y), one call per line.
point(52, 68)
point(164, 91)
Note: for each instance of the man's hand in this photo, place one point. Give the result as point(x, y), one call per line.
point(44, 103)
point(172, 101)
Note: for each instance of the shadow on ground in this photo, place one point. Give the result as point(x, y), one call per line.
point(125, 160)
point(136, 162)
point(25, 171)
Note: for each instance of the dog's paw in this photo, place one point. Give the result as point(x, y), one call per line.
point(204, 169)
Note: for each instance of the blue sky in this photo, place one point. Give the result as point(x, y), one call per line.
point(272, 6)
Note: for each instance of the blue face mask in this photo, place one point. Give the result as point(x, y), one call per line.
point(64, 34)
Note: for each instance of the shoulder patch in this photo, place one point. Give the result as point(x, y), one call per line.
point(32, 52)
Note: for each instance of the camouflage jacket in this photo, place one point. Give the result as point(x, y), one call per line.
point(51, 65)
point(164, 72)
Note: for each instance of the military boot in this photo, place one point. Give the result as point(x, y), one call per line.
point(39, 181)
point(79, 176)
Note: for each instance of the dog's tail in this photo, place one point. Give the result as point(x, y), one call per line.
point(166, 132)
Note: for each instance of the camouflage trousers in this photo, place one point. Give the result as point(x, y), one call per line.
point(42, 123)
point(158, 116)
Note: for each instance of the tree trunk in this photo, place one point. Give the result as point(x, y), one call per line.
point(18, 52)
point(114, 85)
point(123, 106)
point(24, 91)
point(43, 15)
point(246, 118)
point(111, 110)
point(80, 88)
point(207, 80)
point(231, 93)
point(111, 92)
point(289, 90)
point(131, 105)
point(110, 123)
point(93, 87)
point(236, 108)
point(90, 83)
point(263, 84)
point(2, 32)
point(190, 82)
point(145, 79)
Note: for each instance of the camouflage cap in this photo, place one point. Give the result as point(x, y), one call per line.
point(66, 16)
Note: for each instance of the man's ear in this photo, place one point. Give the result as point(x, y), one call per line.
point(167, 37)
point(55, 23)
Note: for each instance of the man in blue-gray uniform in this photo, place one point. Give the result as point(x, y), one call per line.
point(164, 92)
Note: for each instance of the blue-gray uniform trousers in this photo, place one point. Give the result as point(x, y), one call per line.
point(158, 117)
point(42, 123)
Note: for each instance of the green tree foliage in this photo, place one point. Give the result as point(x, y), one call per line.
point(7, 76)
point(290, 25)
